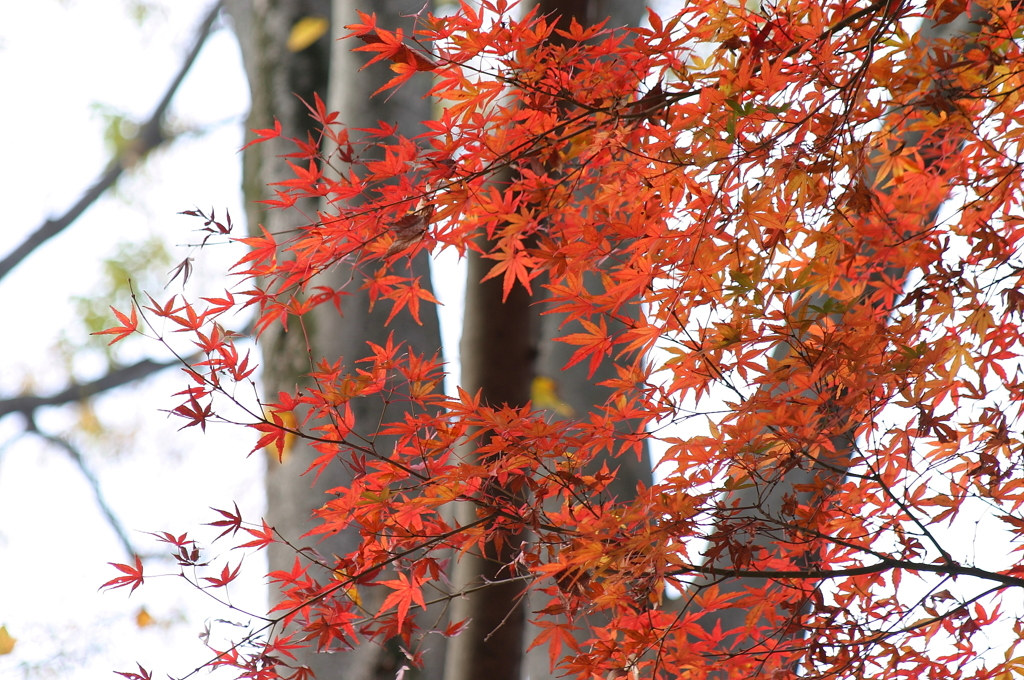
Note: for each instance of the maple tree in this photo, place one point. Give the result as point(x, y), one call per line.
point(799, 222)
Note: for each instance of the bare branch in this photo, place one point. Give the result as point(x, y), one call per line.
point(944, 568)
point(150, 136)
point(28, 404)
point(94, 484)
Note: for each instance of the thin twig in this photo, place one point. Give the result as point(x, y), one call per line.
point(27, 404)
point(94, 484)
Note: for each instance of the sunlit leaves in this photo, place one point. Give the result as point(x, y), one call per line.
point(262, 537)
point(307, 31)
point(405, 593)
point(391, 46)
point(226, 576)
point(7, 641)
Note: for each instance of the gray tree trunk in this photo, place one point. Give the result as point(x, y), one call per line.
point(276, 76)
point(498, 349)
point(581, 392)
point(504, 346)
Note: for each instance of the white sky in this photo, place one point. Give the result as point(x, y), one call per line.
point(58, 60)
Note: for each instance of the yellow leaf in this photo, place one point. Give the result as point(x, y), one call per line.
point(143, 618)
point(306, 31)
point(6, 641)
point(88, 421)
point(351, 591)
point(544, 394)
point(281, 453)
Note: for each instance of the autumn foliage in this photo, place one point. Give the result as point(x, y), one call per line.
point(806, 221)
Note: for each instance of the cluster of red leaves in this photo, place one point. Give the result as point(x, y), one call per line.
point(761, 227)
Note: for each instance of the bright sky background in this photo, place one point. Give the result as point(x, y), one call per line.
point(58, 60)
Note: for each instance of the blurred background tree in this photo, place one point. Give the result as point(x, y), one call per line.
point(130, 112)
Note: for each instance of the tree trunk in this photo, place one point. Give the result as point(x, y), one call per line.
point(498, 349)
point(505, 345)
point(276, 76)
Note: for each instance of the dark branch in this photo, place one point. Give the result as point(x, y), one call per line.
point(28, 404)
point(948, 569)
point(151, 136)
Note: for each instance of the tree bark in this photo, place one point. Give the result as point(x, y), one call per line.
point(280, 81)
point(505, 344)
point(498, 350)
